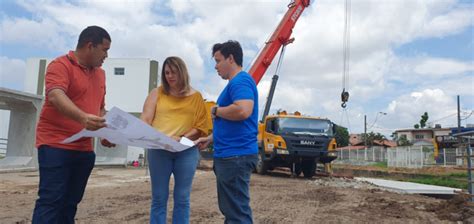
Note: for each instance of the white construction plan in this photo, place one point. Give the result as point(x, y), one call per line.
point(125, 129)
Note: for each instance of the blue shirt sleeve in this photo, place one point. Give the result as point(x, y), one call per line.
point(242, 89)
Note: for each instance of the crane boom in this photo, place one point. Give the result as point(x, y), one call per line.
point(279, 38)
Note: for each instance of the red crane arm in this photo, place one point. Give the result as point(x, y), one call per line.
point(279, 37)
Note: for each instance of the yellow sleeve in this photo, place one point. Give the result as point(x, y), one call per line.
point(200, 118)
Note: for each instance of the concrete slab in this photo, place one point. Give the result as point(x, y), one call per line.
point(24, 112)
point(410, 188)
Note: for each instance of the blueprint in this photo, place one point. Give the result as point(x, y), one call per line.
point(125, 129)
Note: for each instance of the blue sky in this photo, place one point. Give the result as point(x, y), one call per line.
point(458, 46)
point(407, 56)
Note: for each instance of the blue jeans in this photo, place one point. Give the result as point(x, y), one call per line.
point(63, 179)
point(182, 165)
point(233, 179)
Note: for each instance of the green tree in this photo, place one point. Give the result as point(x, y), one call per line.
point(394, 136)
point(403, 141)
point(369, 138)
point(423, 120)
point(342, 136)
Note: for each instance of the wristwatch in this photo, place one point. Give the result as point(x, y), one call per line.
point(214, 111)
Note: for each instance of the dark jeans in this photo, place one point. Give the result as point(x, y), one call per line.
point(63, 179)
point(233, 179)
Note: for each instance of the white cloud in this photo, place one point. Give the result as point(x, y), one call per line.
point(449, 23)
point(406, 110)
point(44, 34)
point(439, 67)
point(463, 86)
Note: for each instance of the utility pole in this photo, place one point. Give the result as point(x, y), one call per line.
point(365, 131)
point(459, 116)
point(459, 125)
point(459, 146)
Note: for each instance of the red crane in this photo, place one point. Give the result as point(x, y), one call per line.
point(280, 37)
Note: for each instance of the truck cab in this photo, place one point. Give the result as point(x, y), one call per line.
point(295, 141)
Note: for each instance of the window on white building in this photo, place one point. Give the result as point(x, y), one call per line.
point(119, 71)
point(419, 136)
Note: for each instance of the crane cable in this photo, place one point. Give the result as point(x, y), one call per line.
point(346, 52)
point(346, 116)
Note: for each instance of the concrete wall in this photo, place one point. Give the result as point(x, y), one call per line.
point(24, 111)
point(128, 91)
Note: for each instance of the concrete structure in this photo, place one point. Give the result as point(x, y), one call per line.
point(411, 188)
point(110, 156)
point(128, 82)
point(24, 111)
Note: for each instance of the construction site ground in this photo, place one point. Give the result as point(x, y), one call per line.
point(122, 195)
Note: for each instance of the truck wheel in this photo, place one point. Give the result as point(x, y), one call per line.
point(297, 171)
point(262, 165)
point(308, 167)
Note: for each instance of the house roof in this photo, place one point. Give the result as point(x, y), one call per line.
point(356, 140)
point(388, 143)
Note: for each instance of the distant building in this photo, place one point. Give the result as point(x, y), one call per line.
point(422, 136)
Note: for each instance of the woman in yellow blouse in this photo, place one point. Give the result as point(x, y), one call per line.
point(177, 110)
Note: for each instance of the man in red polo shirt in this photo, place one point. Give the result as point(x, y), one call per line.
point(75, 92)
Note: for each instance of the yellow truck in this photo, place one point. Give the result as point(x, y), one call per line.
point(295, 141)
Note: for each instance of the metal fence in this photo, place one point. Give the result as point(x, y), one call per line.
point(3, 147)
point(374, 154)
point(409, 156)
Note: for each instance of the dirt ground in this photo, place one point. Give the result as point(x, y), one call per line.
point(122, 195)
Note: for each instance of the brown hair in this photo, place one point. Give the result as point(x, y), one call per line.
point(177, 65)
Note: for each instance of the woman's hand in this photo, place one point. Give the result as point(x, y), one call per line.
point(176, 138)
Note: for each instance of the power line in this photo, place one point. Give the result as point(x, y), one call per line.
point(376, 118)
point(445, 117)
point(467, 116)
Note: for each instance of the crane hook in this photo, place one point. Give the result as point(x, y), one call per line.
point(344, 98)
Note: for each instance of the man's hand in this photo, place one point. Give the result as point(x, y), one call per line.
point(59, 99)
point(203, 142)
point(106, 143)
point(92, 122)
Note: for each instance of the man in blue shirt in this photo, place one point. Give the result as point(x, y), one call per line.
point(234, 134)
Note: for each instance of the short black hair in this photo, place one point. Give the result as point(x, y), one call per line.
point(228, 48)
point(94, 34)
